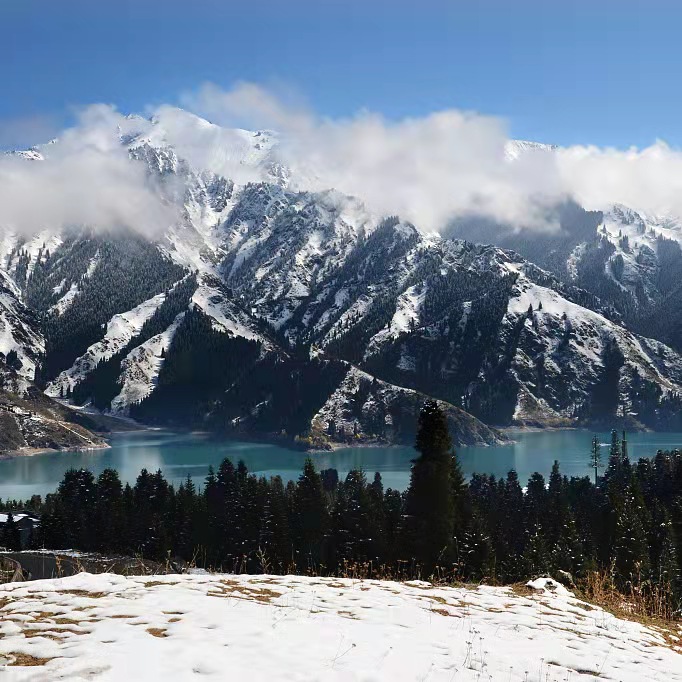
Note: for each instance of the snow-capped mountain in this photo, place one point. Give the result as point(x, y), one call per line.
point(274, 309)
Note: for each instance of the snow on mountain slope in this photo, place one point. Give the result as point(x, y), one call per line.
point(364, 408)
point(514, 149)
point(68, 296)
point(570, 337)
point(120, 330)
point(405, 318)
point(412, 309)
point(280, 246)
point(227, 151)
point(182, 627)
point(226, 316)
point(19, 332)
point(140, 369)
point(32, 154)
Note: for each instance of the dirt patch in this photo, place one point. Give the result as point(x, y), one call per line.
point(157, 632)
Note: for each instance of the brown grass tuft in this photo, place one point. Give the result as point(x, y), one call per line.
point(19, 659)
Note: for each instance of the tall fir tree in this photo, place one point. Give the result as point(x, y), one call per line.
point(311, 521)
point(429, 500)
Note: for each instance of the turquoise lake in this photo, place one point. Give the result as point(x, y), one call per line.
point(178, 455)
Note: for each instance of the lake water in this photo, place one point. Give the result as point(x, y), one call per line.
point(180, 454)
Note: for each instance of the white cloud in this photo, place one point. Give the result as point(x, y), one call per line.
point(86, 179)
point(448, 164)
point(648, 180)
point(428, 169)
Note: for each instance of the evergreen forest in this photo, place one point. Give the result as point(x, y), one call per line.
point(625, 524)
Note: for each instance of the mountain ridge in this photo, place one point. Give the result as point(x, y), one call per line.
point(280, 270)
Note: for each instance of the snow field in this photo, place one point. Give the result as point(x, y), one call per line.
point(225, 627)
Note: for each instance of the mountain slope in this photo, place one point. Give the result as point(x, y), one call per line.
point(269, 309)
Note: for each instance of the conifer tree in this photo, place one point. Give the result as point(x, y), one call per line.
point(310, 518)
point(275, 538)
point(476, 550)
point(630, 545)
point(430, 508)
point(108, 517)
point(595, 458)
point(11, 537)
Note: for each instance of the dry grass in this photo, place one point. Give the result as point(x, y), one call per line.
point(84, 593)
point(237, 590)
point(444, 612)
point(522, 590)
point(157, 632)
point(644, 604)
point(25, 660)
point(347, 614)
point(155, 583)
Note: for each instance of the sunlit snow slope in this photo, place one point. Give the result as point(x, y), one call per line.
point(108, 627)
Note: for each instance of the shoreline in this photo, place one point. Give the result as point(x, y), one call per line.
point(30, 452)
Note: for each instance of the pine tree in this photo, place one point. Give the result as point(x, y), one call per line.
point(11, 537)
point(108, 517)
point(476, 550)
point(563, 541)
point(430, 505)
point(595, 458)
point(630, 545)
point(275, 538)
point(535, 555)
point(185, 520)
point(311, 520)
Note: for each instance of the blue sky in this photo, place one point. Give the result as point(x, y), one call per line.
point(564, 71)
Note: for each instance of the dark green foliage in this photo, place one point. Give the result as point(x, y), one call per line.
point(429, 527)
point(11, 539)
point(311, 518)
point(199, 365)
point(210, 378)
point(605, 394)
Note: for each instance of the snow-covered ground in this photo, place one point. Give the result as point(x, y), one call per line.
point(224, 627)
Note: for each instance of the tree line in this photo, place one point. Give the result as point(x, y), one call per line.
point(627, 524)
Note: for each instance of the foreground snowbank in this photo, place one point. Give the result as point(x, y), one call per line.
point(207, 627)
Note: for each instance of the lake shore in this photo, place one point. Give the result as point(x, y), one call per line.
point(31, 452)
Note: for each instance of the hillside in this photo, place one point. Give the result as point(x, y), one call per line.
point(216, 627)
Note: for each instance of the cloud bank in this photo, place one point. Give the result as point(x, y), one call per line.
point(87, 178)
point(430, 170)
point(427, 170)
